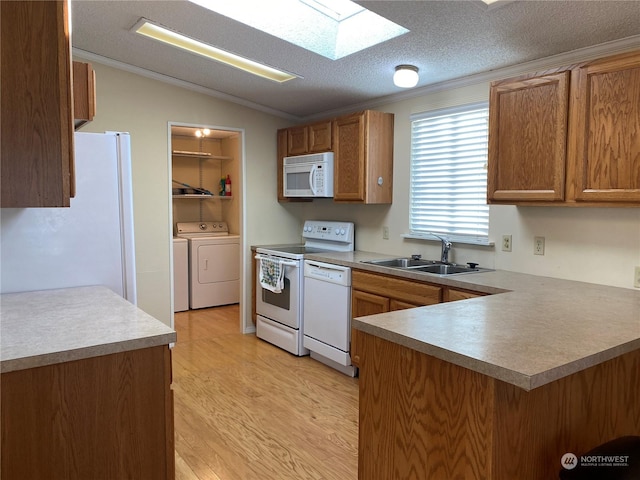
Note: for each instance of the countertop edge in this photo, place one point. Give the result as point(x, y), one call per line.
point(521, 380)
point(508, 290)
point(46, 327)
point(53, 358)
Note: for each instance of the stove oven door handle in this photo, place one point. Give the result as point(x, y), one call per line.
point(288, 263)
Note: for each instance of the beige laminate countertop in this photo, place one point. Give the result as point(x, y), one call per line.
point(54, 326)
point(531, 331)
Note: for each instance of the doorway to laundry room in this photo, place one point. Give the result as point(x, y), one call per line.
point(205, 169)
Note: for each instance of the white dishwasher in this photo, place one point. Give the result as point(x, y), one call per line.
point(327, 314)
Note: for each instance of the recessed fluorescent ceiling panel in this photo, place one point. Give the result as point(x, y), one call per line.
point(162, 34)
point(331, 28)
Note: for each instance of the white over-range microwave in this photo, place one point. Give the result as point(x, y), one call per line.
point(308, 175)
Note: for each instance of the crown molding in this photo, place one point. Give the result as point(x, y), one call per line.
point(562, 59)
point(109, 62)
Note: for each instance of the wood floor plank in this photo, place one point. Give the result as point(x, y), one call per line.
point(245, 409)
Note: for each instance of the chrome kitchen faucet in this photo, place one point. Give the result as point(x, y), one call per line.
point(446, 247)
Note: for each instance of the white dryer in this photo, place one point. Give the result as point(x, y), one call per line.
point(214, 263)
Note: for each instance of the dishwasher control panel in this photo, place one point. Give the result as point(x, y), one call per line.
point(327, 272)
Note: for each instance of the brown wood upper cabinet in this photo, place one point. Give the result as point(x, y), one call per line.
point(301, 140)
point(363, 157)
point(604, 131)
point(362, 143)
point(528, 137)
point(84, 94)
point(312, 138)
point(37, 122)
point(568, 136)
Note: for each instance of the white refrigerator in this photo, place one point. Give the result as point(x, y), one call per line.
point(89, 243)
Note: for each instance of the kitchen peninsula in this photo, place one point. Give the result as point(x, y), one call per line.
point(496, 387)
point(86, 387)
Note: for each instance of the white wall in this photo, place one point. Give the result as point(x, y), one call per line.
point(144, 107)
point(595, 245)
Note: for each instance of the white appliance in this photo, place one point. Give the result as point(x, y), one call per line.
point(308, 175)
point(180, 274)
point(280, 316)
point(214, 263)
point(327, 314)
point(89, 243)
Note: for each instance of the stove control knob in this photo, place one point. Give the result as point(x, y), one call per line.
point(202, 226)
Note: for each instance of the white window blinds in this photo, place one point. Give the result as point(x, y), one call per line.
point(449, 173)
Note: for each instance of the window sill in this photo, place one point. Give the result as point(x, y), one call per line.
point(456, 239)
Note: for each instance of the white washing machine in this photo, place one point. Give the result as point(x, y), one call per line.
point(180, 274)
point(214, 263)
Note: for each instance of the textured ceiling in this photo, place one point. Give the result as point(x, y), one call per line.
point(447, 40)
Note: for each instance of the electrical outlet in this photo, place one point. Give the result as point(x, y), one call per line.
point(506, 243)
point(538, 245)
point(636, 277)
point(385, 233)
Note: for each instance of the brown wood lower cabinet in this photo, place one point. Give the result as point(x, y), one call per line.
point(107, 417)
point(454, 294)
point(421, 417)
point(373, 293)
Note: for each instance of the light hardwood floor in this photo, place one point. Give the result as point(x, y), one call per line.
point(245, 409)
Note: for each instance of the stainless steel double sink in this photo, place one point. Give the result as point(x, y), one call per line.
point(433, 267)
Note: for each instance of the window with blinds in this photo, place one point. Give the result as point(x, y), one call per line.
point(449, 174)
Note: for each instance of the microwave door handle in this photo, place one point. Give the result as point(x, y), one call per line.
point(312, 178)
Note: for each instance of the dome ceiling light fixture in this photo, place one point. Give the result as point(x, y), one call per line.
point(405, 76)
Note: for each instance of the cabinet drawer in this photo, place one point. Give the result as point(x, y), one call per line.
point(409, 291)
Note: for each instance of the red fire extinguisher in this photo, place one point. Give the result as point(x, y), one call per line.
point(227, 187)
